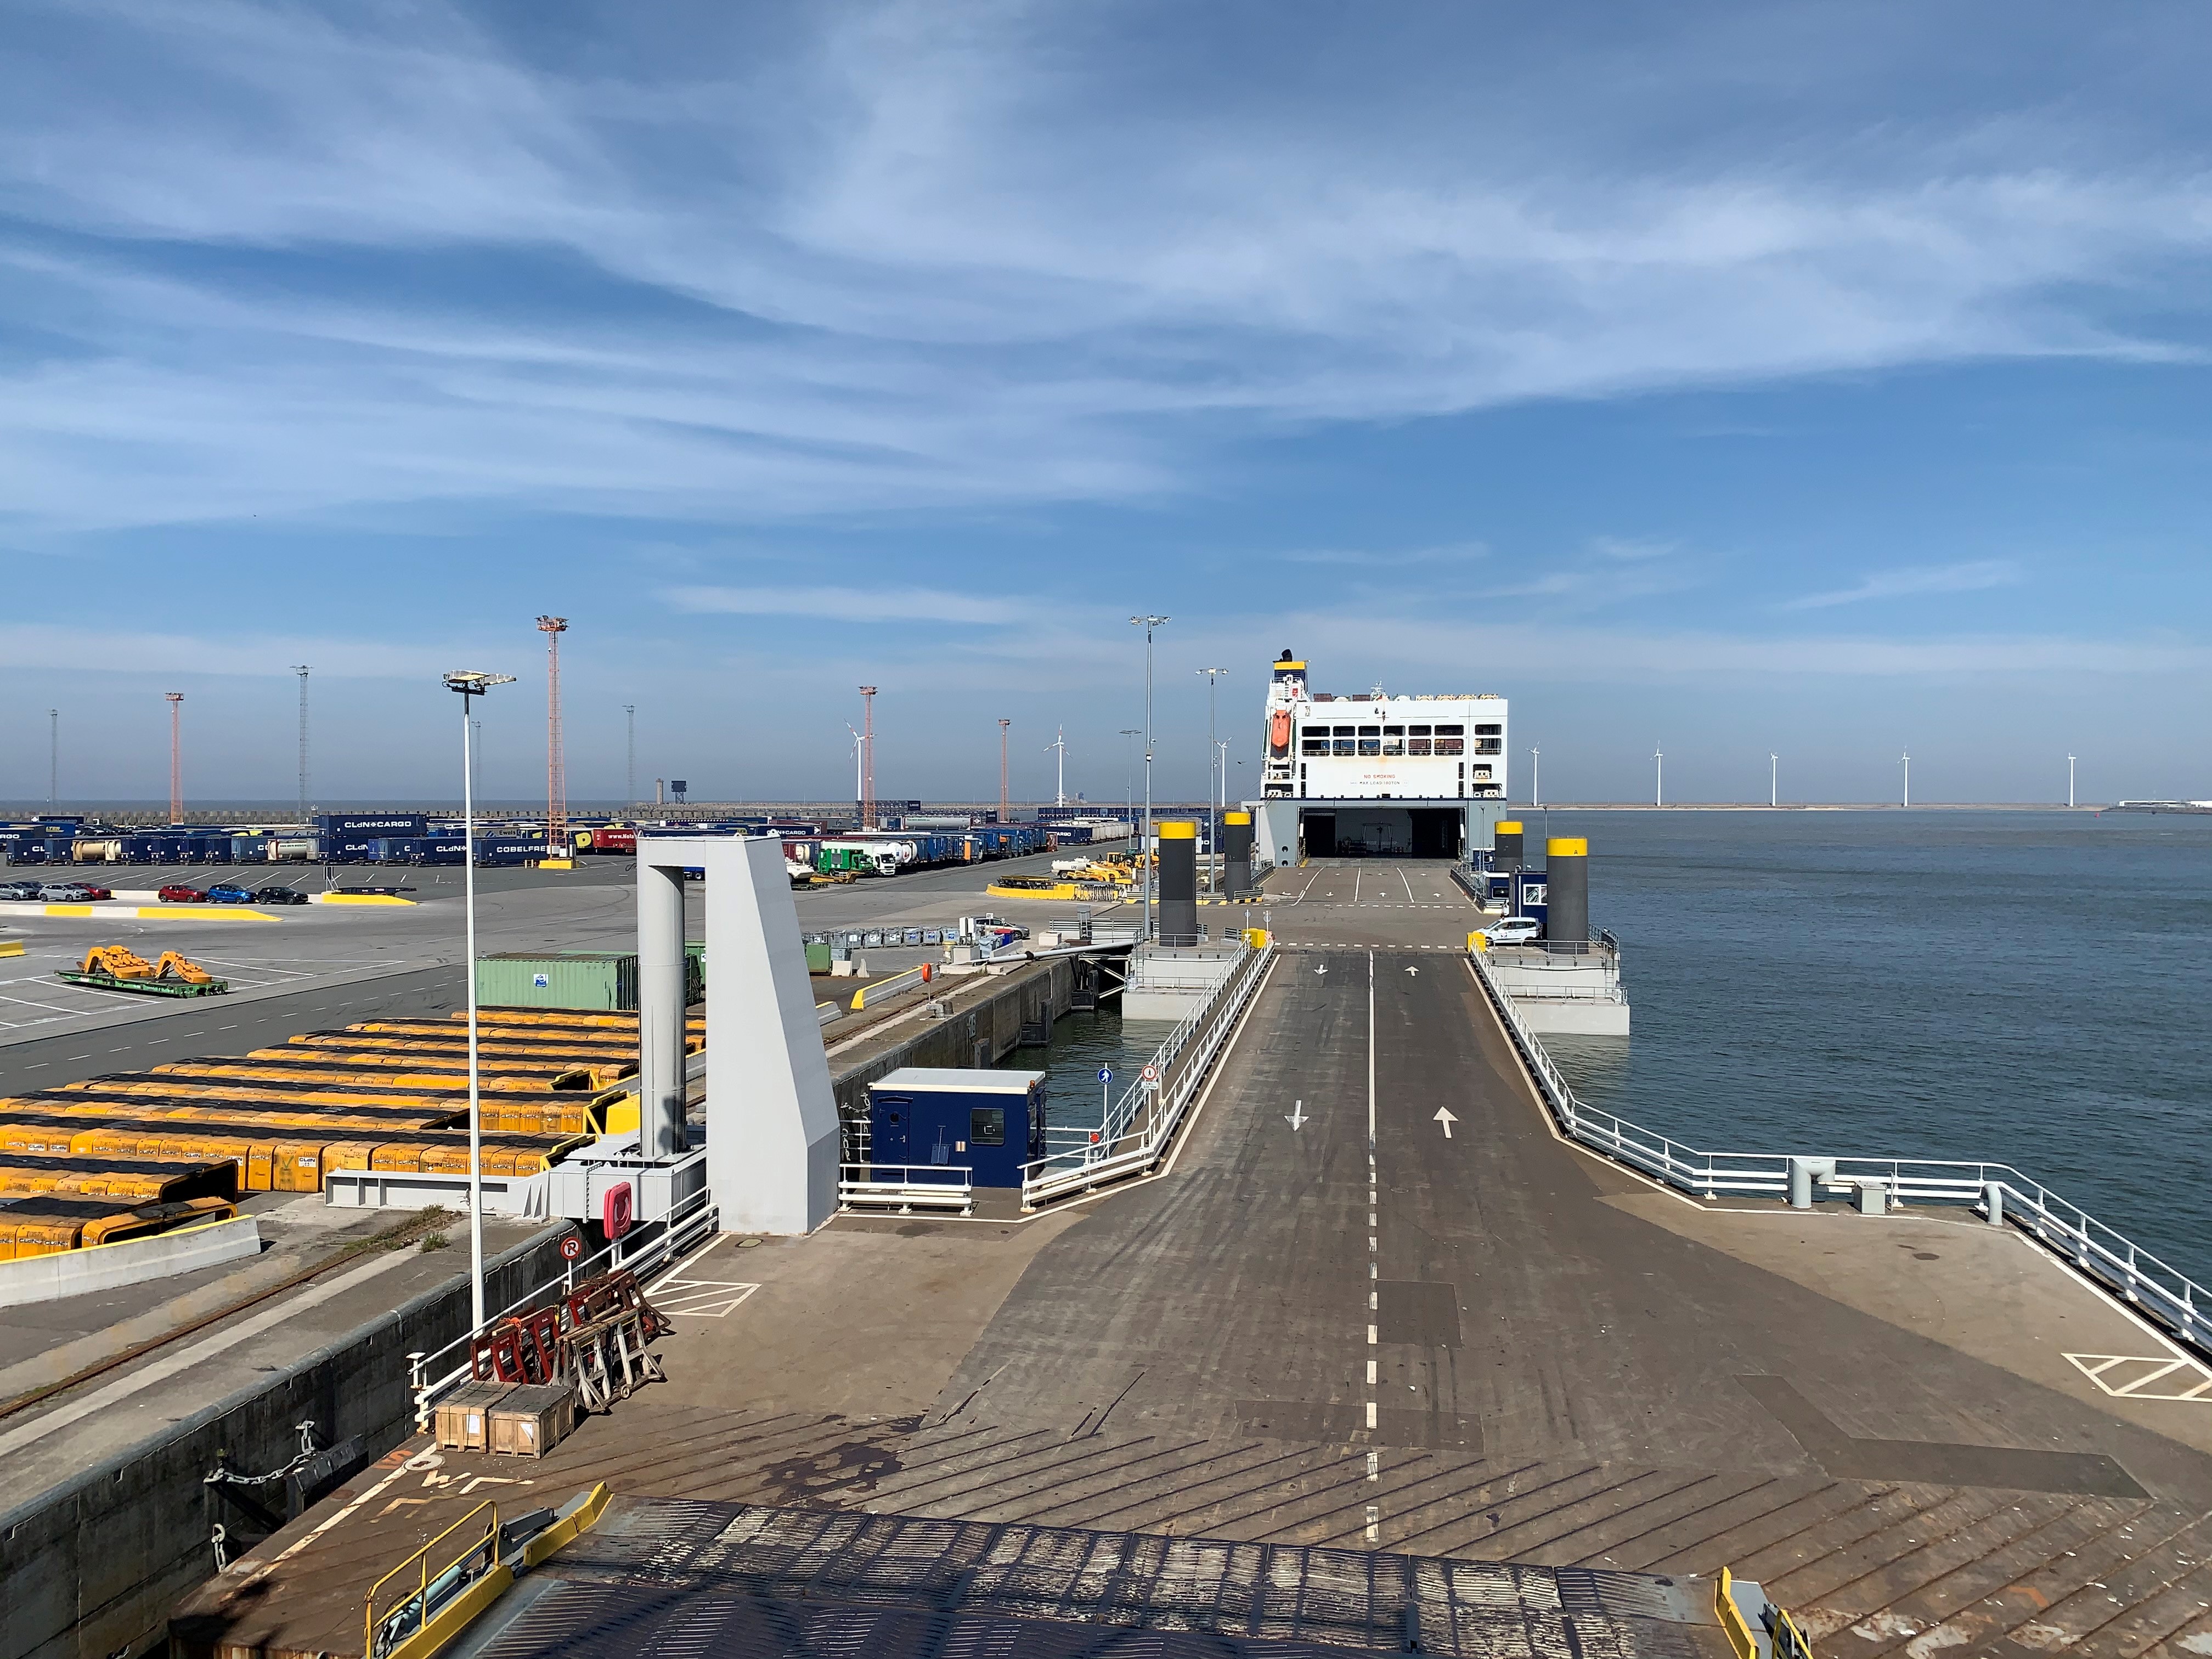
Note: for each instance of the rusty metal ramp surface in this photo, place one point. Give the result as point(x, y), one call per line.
point(664, 1577)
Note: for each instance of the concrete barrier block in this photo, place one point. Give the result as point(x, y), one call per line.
point(105, 1266)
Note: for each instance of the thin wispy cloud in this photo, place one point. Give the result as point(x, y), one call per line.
point(1630, 549)
point(861, 603)
point(1971, 577)
point(920, 256)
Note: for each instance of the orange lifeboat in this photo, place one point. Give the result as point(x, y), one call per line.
point(1279, 731)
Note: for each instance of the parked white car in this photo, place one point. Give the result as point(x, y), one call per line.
point(1514, 930)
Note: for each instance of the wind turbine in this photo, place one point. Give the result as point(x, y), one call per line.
point(1658, 776)
point(1060, 743)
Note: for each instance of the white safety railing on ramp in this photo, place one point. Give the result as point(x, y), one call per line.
point(651, 1245)
point(1141, 1124)
point(1999, 1192)
point(905, 1186)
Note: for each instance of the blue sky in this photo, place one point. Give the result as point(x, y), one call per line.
point(1830, 379)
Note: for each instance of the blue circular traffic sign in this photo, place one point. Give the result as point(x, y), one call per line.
point(1105, 1073)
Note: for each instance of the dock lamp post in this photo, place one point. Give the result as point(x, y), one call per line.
point(472, 684)
point(1213, 759)
point(1144, 846)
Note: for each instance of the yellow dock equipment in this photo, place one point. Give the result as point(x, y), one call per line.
point(133, 1106)
point(142, 1181)
point(281, 1161)
point(500, 1043)
point(611, 1020)
point(44, 1224)
point(381, 1054)
point(303, 1069)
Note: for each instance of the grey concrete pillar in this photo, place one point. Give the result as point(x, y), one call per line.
point(660, 1011)
point(1505, 845)
point(1567, 890)
point(771, 1135)
point(1235, 853)
point(1178, 882)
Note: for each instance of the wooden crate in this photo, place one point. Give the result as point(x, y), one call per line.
point(462, 1420)
point(534, 1418)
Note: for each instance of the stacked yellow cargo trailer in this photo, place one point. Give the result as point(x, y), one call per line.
point(136, 1152)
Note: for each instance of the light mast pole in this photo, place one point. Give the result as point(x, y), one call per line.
point(1144, 844)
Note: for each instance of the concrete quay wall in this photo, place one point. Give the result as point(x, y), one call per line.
point(984, 1025)
point(91, 1568)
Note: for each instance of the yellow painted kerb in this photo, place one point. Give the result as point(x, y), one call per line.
point(202, 913)
point(1566, 847)
point(11, 947)
point(1177, 830)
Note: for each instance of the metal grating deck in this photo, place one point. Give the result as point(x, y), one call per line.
point(697, 1579)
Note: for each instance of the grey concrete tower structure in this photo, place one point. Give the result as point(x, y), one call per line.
point(771, 1135)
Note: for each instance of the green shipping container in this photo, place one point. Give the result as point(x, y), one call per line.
point(600, 981)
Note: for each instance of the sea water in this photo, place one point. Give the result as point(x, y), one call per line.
point(2029, 989)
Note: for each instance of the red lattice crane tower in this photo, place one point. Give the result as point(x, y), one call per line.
point(868, 757)
point(557, 769)
point(176, 756)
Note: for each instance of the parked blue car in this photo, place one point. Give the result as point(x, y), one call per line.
point(225, 893)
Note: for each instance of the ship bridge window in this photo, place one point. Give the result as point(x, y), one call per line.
point(1314, 743)
point(1450, 741)
point(1371, 740)
point(1394, 739)
point(1490, 745)
point(1489, 731)
point(1344, 739)
point(1451, 731)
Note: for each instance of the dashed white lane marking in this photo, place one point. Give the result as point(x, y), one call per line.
point(1373, 1188)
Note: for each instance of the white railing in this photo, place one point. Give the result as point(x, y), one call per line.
point(1141, 1124)
point(2001, 1193)
point(694, 1219)
point(905, 1186)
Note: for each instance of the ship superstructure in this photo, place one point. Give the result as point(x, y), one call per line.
point(1332, 760)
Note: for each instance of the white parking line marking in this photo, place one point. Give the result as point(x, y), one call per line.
point(2142, 1376)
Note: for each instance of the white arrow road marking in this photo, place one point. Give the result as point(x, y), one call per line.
point(1297, 1117)
point(1444, 1117)
point(1413, 971)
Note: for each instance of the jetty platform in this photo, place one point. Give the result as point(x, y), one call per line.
point(1376, 1359)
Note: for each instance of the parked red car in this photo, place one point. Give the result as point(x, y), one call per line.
point(93, 892)
point(180, 895)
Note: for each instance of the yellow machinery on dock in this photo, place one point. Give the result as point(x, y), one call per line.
point(119, 968)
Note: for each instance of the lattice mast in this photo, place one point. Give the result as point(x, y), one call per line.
point(867, 757)
point(1006, 812)
point(176, 756)
point(556, 770)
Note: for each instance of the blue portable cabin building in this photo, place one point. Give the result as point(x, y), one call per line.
point(925, 1117)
